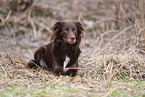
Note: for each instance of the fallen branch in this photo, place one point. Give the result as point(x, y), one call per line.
point(7, 55)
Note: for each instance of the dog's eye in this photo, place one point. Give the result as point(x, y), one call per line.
point(66, 29)
point(74, 29)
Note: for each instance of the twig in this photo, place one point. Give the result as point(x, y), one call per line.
point(32, 24)
point(92, 62)
point(44, 26)
point(110, 92)
point(125, 15)
point(142, 19)
point(6, 19)
point(121, 32)
point(56, 81)
point(34, 28)
point(78, 68)
point(36, 65)
point(8, 16)
point(102, 35)
point(7, 55)
point(103, 20)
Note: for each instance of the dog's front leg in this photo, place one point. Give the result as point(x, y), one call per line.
point(72, 65)
point(57, 69)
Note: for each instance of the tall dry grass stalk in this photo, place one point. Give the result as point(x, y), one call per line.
point(32, 23)
point(71, 1)
point(78, 10)
point(106, 17)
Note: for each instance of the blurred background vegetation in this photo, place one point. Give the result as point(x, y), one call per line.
point(117, 24)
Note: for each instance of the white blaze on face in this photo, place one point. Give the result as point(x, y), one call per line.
point(67, 59)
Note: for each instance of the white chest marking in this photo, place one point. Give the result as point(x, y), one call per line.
point(67, 59)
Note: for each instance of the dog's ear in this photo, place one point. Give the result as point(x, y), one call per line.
point(79, 27)
point(56, 25)
point(55, 30)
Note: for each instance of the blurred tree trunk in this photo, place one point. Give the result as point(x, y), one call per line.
point(20, 5)
point(14, 4)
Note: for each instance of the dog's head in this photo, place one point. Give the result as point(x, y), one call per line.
point(68, 31)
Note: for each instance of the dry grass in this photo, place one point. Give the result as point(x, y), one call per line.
point(104, 75)
point(116, 66)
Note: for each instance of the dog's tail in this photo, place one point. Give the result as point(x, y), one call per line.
point(32, 64)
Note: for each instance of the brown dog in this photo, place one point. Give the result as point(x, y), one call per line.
point(64, 44)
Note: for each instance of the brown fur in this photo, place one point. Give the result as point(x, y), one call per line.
point(65, 41)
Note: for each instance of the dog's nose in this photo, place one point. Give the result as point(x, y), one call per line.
point(72, 38)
